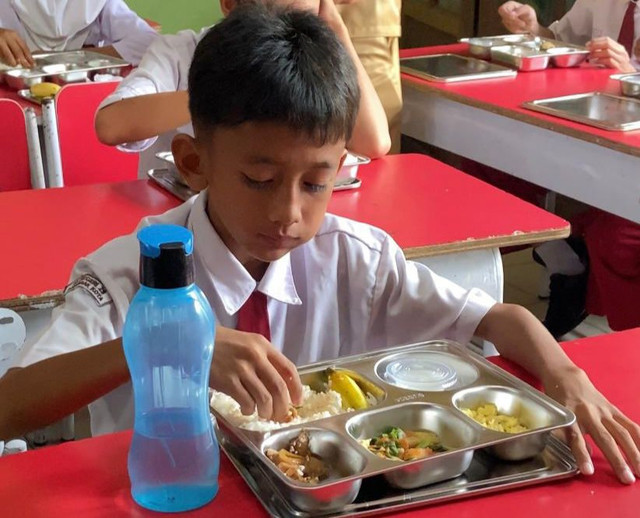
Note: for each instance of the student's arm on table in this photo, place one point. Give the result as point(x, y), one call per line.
point(521, 19)
point(13, 50)
point(371, 132)
point(607, 52)
point(44, 392)
point(248, 368)
point(521, 338)
point(245, 366)
point(142, 117)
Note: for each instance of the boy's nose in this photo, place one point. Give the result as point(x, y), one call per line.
point(286, 208)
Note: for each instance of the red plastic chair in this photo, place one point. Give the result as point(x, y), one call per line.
point(84, 159)
point(14, 153)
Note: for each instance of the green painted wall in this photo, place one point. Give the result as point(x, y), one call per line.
point(176, 15)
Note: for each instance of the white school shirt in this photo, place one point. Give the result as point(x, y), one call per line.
point(346, 291)
point(590, 19)
point(164, 68)
point(116, 25)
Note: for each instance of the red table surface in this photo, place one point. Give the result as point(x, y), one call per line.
point(506, 95)
point(424, 204)
point(45, 231)
point(88, 478)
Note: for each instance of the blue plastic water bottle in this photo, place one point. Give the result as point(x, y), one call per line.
point(168, 342)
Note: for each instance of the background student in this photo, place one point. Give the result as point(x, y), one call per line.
point(375, 30)
point(608, 28)
point(597, 271)
point(105, 26)
point(150, 105)
point(322, 286)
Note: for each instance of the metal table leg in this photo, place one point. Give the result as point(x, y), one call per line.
point(35, 154)
point(52, 143)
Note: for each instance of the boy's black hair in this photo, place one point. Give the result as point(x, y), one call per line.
point(270, 64)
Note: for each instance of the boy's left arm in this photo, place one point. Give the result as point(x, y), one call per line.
point(520, 337)
point(371, 132)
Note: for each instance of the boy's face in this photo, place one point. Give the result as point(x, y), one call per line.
point(269, 187)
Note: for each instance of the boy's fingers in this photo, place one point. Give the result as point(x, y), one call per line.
point(278, 391)
point(625, 441)
point(259, 393)
point(609, 448)
point(17, 52)
point(289, 374)
point(26, 52)
point(6, 54)
point(236, 390)
point(580, 449)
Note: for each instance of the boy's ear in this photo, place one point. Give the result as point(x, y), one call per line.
point(226, 6)
point(187, 160)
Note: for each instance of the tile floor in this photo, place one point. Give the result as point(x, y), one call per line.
point(522, 280)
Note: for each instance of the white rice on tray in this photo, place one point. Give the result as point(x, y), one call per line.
point(316, 405)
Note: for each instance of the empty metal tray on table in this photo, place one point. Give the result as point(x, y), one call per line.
point(485, 475)
point(429, 386)
point(601, 110)
point(449, 68)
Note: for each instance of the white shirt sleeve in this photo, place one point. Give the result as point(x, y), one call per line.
point(411, 303)
point(164, 68)
point(119, 26)
point(577, 25)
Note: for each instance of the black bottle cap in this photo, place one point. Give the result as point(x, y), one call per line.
point(166, 256)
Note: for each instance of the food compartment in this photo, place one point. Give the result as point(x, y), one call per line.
point(564, 57)
point(424, 370)
point(20, 78)
point(63, 73)
point(630, 85)
point(317, 470)
point(481, 47)
point(357, 391)
point(513, 416)
point(521, 57)
point(434, 440)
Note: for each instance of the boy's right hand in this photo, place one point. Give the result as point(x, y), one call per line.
point(248, 368)
point(519, 18)
point(14, 51)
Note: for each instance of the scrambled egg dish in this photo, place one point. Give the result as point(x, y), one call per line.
point(487, 415)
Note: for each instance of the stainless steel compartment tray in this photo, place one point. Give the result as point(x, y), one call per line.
point(484, 475)
point(481, 46)
point(449, 68)
point(68, 66)
point(354, 426)
point(601, 110)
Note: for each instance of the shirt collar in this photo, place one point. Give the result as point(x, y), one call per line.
point(231, 280)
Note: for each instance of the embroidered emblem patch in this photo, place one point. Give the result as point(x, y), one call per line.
point(93, 287)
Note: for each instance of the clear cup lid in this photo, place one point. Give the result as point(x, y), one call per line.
point(421, 371)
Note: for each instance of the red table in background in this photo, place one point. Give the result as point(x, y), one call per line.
point(427, 207)
point(484, 121)
point(89, 478)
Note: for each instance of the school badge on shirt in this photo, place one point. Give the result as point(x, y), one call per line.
point(92, 286)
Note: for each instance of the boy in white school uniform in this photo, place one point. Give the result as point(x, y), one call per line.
point(265, 162)
point(105, 26)
point(150, 106)
point(601, 25)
